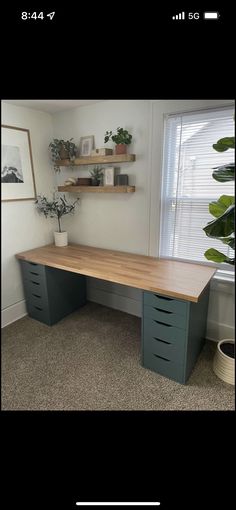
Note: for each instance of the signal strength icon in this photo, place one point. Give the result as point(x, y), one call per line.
point(181, 15)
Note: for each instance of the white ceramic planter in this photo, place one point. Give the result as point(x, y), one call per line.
point(61, 238)
point(224, 365)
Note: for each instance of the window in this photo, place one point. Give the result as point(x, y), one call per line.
point(188, 185)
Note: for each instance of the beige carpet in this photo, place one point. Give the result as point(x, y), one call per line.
point(91, 360)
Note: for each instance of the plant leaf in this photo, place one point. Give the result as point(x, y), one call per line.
point(224, 144)
point(224, 173)
point(230, 241)
point(223, 226)
point(219, 207)
point(217, 256)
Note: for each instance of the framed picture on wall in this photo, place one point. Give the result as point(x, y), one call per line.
point(86, 145)
point(109, 176)
point(17, 172)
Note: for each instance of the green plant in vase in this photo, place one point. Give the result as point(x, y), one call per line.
point(97, 175)
point(61, 149)
point(121, 138)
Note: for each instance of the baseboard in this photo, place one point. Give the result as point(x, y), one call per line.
point(217, 331)
point(112, 300)
point(13, 313)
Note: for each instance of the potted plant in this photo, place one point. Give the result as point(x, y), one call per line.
point(97, 175)
point(122, 138)
point(61, 149)
point(56, 208)
point(222, 228)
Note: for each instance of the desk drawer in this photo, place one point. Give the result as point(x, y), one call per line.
point(171, 369)
point(35, 290)
point(32, 270)
point(165, 303)
point(38, 312)
point(166, 333)
point(166, 317)
point(167, 350)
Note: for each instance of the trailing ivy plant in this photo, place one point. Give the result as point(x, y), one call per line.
point(55, 208)
point(56, 146)
point(222, 227)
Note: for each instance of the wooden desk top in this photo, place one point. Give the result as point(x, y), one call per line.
point(181, 280)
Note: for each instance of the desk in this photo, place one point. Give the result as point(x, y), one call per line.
point(175, 297)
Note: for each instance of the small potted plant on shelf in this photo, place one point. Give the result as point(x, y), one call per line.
point(122, 138)
point(61, 149)
point(97, 175)
point(56, 208)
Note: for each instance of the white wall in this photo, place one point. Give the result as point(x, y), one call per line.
point(131, 223)
point(22, 227)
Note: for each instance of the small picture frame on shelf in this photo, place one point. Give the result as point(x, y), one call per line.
point(109, 176)
point(86, 145)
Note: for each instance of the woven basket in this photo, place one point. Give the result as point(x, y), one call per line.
point(223, 365)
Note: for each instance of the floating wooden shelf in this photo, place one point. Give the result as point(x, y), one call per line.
point(97, 189)
point(88, 160)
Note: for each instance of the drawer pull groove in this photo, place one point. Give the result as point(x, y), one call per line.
point(33, 264)
point(165, 359)
point(36, 295)
point(36, 274)
point(163, 341)
point(38, 308)
point(163, 311)
point(165, 298)
point(35, 283)
point(164, 324)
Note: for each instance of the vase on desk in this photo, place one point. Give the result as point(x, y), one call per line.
point(61, 238)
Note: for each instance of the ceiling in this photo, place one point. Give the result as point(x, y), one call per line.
point(51, 105)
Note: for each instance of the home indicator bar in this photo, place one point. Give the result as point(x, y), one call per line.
point(114, 503)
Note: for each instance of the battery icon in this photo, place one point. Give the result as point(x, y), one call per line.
point(211, 15)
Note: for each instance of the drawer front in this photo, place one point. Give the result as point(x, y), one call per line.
point(165, 303)
point(169, 318)
point(38, 312)
point(35, 290)
point(31, 270)
point(168, 368)
point(164, 332)
point(172, 352)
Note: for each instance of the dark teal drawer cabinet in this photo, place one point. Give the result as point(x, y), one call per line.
point(51, 293)
point(173, 334)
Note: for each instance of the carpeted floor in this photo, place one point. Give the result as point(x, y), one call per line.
point(91, 361)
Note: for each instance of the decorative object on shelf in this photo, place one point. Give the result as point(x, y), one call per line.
point(84, 181)
point(122, 138)
point(224, 360)
point(17, 173)
point(86, 145)
point(102, 152)
point(71, 181)
point(61, 149)
point(122, 180)
point(97, 175)
point(109, 176)
point(56, 208)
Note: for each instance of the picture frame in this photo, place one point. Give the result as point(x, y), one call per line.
point(109, 176)
point(17, 171)
point(86, 145)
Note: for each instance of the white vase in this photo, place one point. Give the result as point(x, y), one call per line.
point(223, 365)
point(61, 238)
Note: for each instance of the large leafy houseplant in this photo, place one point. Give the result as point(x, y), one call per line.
point(222, 227)
point(122, 138)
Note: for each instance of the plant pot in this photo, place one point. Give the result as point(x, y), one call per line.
point(95, 182)
point(61, 238)
point(121, 148)
point(64, 153)
point(223, 363)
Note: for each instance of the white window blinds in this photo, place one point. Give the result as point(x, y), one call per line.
point(188, 185)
